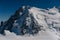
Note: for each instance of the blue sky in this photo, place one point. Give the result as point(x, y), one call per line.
point(8, 7)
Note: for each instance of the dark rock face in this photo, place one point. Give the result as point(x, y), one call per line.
point(22, 22)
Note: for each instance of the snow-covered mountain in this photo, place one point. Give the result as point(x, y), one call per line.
point(22, 22)
point(32, 20)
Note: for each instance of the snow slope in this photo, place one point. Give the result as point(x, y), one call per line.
point(47, 35)
point(49, 19)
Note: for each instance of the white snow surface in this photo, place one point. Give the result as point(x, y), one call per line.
point(51, 15)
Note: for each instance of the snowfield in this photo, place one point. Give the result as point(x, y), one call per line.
point(47, 18)
point(47, 35)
